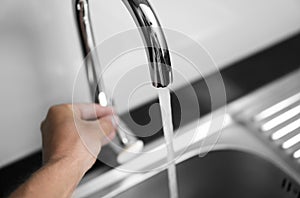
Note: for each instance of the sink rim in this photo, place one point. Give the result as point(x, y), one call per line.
point(227, 167)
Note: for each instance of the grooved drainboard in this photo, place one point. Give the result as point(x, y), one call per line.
point(280, 122)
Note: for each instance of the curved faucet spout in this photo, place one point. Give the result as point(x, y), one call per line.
point(154, 41)
point(153, 36)
point(157, 52)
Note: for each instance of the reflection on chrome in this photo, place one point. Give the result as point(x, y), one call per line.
point(277, 107)
point(291, 142)
point(281, 118)
point(296, 155)
point(102, 99)
point(154, 39)
point(286, 130)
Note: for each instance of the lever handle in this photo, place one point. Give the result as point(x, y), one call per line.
point(127, 144)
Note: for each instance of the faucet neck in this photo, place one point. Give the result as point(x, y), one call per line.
point(154, 40)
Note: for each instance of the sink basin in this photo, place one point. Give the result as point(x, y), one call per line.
point(224, 173)
point(239, 166)
point(242, 163)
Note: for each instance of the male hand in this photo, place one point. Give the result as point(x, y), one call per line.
point(72, 139)
point(76, 133)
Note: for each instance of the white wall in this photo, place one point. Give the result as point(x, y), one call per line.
point(40, 52)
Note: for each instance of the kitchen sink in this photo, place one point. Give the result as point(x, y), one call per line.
point(238, 166)
point(227, 173)
point(241, 159)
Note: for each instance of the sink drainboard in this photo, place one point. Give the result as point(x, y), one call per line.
point(280, 123)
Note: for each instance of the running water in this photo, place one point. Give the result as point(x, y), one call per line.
point(166, 113)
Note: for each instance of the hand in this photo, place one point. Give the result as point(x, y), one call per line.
point(76, 133)
point(72, 138)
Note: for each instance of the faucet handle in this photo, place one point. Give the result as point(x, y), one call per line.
point(125, 145)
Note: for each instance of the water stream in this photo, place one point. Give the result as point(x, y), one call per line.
point(166, 113)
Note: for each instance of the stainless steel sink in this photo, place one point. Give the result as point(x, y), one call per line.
point(232, 174)
point(245, 162)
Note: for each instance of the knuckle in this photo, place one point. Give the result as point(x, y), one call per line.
point(53, 109)
point(58, 114)
point(68, 106)
point(59, 110)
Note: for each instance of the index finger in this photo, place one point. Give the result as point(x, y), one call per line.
point(93, 111)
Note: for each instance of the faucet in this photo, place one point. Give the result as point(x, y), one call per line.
point(155, 42)
point(158, 60)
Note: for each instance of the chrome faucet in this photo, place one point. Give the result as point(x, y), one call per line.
point(156, 49)
point(154, 40)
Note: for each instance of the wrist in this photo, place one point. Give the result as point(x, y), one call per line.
point(72, 164)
